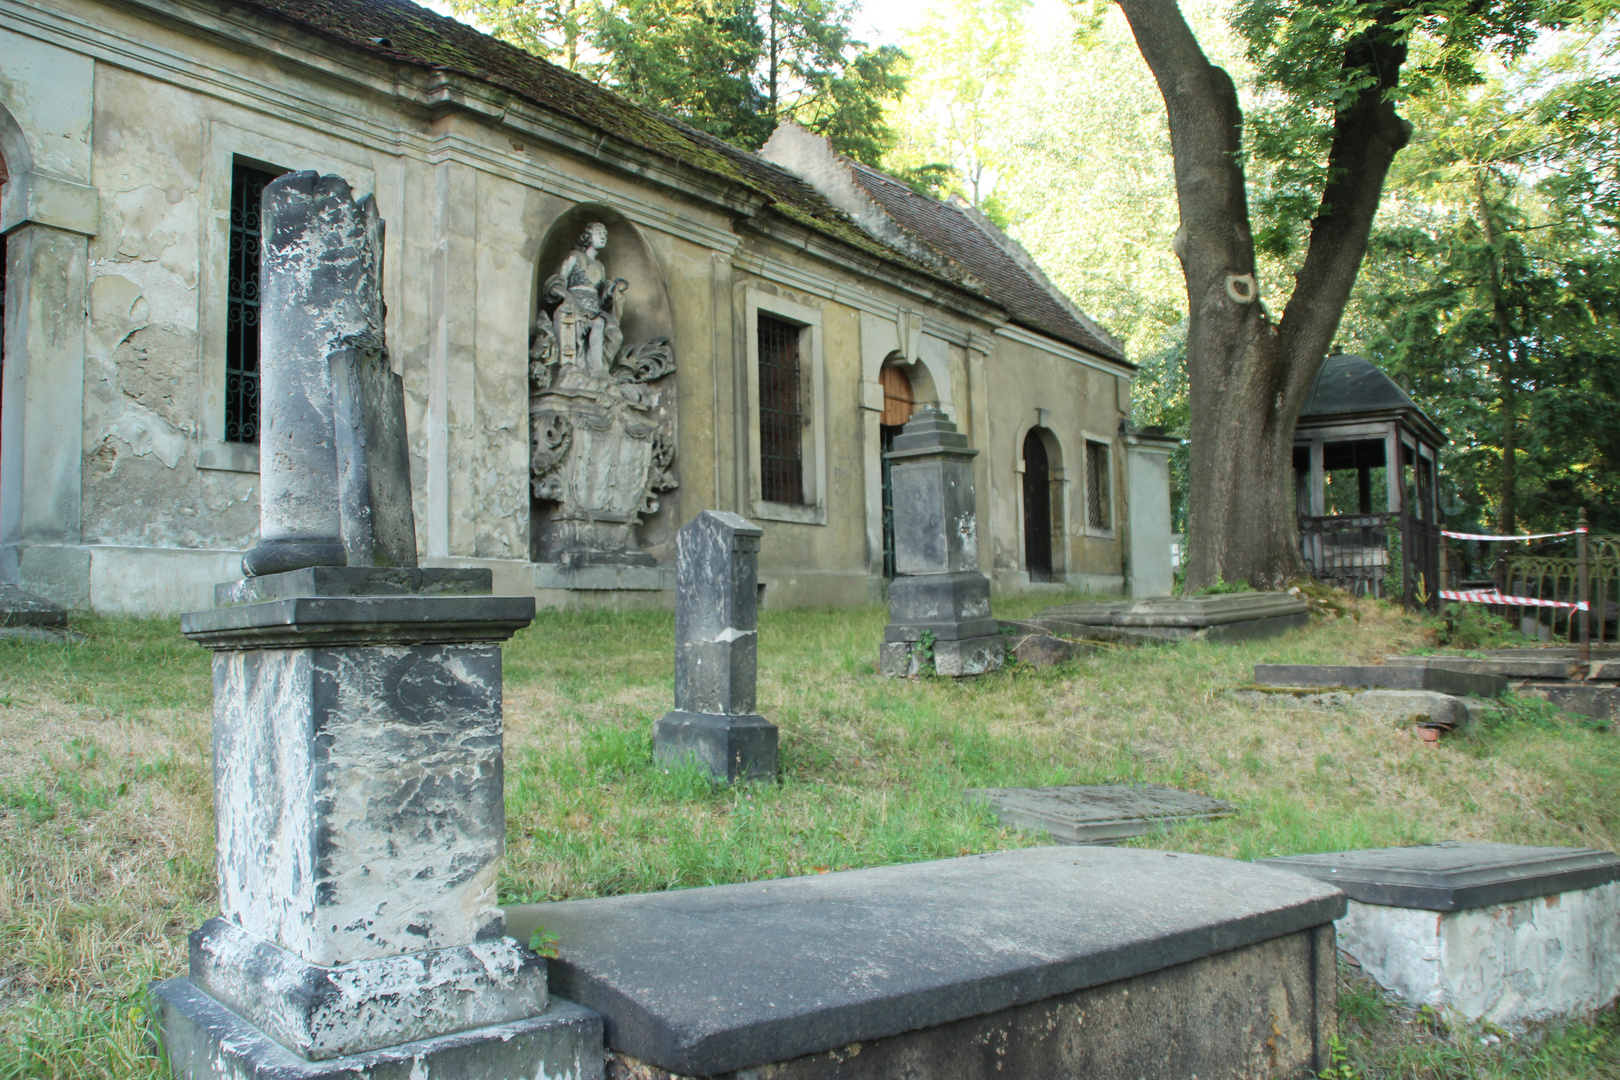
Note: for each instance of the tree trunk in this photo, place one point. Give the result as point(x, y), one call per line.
point(1247, 375)
point(1505, 338)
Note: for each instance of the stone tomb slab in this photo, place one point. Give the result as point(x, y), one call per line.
point(1039, 962)
point(1224, 617)
point(1495, 932)
point(1097, 813)
point(1383, 677)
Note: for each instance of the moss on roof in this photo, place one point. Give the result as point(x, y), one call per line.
point(411, 34)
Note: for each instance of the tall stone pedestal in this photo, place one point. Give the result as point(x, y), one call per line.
point(716, 653)
point(939, 602)
point(360, 822)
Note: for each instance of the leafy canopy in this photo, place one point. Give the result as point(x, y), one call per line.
point(733, 68)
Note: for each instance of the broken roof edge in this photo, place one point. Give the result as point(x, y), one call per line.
point(1026, 262)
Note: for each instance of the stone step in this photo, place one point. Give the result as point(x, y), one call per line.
point(1512, 667)
point(1387, 677)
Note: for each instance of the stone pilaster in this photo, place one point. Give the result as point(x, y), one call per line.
point(939, 602)
point(360, 822)
point(716, 651)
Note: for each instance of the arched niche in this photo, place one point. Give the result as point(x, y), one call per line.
point(1041, 456)
point(646, 313)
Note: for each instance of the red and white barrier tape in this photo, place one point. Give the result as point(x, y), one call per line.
point(1482, 596)
point(1526, 536)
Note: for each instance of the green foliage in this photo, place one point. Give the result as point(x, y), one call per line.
point(1492, 290)
point(1472, 626)
point(964, 56)
point(732, 68)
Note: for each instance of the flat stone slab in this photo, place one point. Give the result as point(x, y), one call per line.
point(359, 620)
point(1098, 813)
point(705, 981)
point(1510, 667)
point(355, 581)
point(1455, 876)
point(20, 609)
point(605, 578)
point(1382, 677)
point(1228, 616)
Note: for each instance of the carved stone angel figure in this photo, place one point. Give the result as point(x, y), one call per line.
point(601, 447)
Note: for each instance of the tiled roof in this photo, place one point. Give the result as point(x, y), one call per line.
point(411, 34)
point(961, 240)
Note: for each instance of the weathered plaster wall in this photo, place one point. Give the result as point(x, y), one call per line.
point(1029, 386)
point(132, 500)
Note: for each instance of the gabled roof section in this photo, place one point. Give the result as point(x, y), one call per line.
point(952, 235)
point(988, 256)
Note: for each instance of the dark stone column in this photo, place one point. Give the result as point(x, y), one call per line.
point(320, 288)
point(939, 602)
point(716, 638)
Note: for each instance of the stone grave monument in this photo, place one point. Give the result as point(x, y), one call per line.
point(939, 602)
point(1499, 933)
point(1098, 813)
point(716, 653)
point(360, 816)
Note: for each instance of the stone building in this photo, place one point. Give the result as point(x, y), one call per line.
point(745, 332)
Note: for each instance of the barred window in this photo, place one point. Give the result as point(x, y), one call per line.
point(242, 305)
point(1099, 507)
point(781, 412)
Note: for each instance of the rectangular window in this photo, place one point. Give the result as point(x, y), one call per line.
point(1099, 506)
point(242, 305)
point(781, 413)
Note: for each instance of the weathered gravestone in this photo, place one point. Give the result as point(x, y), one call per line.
point(1098, 813)
point(713, 723)
point(360, 817)
point(939, 602)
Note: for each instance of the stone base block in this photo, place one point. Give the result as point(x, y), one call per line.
point(630, 578)
point(1507, 964)
point(327, 1012)
point(1382, 676)
point(732, 748)
point(938, 598)
point(1496, 932)
point(972, 656)
point(203, 1040)
point(21, 609)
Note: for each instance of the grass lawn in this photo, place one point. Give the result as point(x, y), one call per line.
point(106, 820)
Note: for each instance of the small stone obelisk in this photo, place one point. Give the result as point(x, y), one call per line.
point(716, 653)
point(939, 602)
point(358, 757)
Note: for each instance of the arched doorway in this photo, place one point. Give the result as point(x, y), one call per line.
point(1037, 508)
point(899, 400)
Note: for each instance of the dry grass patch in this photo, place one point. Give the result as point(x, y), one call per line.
point(106, 828)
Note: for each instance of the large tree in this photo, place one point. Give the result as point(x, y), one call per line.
point(1337, 71)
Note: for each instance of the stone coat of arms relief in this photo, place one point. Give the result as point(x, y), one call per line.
point(598, 448)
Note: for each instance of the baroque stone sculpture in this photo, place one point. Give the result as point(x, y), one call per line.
point(597, 448)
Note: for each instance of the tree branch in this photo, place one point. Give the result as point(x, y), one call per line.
point(1367, 133)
